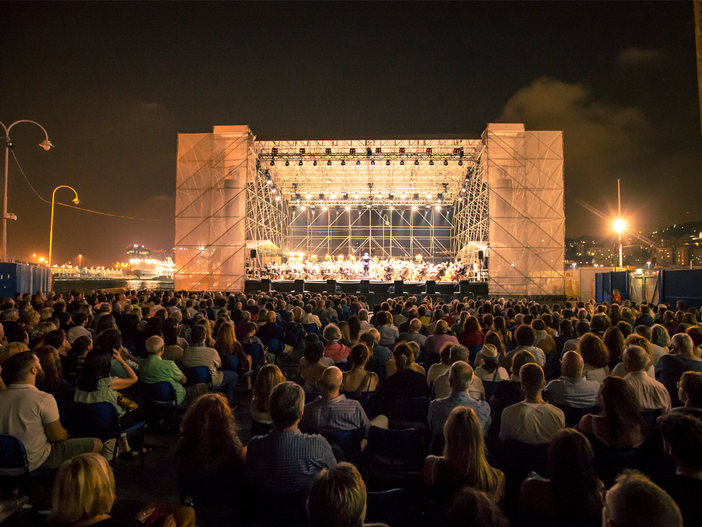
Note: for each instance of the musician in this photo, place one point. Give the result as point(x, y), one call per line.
point(366, 260)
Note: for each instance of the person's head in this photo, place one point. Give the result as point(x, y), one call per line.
point(635, 501)
point(460, 376)
point(97, 366)
point(314, 351)
point(359, 355)
point(593, 350)
point(682, 344)
point(403, 356)
point(474, 508)
point(331, 333)
point(660, 336)
point(198, 334)
point(337, 497)
point(521, 358)
point(441, 327)
point(154, 345)
point(695, 333)
point(52, 371)
point(84, 488)
point(330, 382)
point(690, 389)
point(21, 367)
point(464, 448)
point(208, 429)
point(525, 336)
point(110, 339)
point(531, 377)
point(458, 352)
point(682, 439)
point(287, 402)
point(572, 364)
point(635, 359)
point(620, 405)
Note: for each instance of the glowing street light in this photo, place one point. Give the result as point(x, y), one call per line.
point(51, 229)
point(619, 225)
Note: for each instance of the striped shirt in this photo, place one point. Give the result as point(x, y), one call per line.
point(334, 415)
point(287, 462)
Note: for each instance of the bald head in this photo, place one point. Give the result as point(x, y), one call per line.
point(635, 359)
point(572, 364)
point(460, 376)
point(441, 327)
point(415, 324)
point(331, 382)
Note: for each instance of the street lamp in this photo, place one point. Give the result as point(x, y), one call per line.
point(619, 226)
point(51, 229)
point(45, 144)
point(80, 260)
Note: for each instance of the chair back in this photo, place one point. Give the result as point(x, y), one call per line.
point(260, 429)
point(404, 448)
point(13, 457)
point(490, 388)
point(349, 441)
point(161, 393)
point(198, 374)
point(311, 328)
point(573, 415)
point(609, 464)
point(274, 346)
point(649, 417)
point(369, 402)
point(408, 409)
point(392, 507)
point(96, 420)
point(520, 458)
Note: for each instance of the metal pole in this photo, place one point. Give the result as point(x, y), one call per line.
point(4, 198)
point(51, 228)
point(619, 217)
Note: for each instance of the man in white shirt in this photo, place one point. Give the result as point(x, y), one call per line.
point(533, 420)
point(33, 417)
point(198, 354)
point(652, 394)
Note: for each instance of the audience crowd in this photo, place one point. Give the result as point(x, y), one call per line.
point(486, 412)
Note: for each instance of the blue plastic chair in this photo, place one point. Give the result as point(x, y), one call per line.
point(349, 441)
point(162, 397)
point(13, 458)
point(408, 409)
point(198, 374)
point(369, 402)
point(101, 420)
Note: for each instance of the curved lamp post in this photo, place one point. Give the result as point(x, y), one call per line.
point(51, 229)
point(45, 144)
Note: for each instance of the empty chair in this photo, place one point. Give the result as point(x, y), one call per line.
point(198, 374)
point(348, 441)
point(161, 398)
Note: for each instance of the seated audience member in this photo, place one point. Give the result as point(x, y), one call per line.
point(197, 354)
point(333, 348)
point(76, 357)
point(532, 421)
point(657, 351)
point(581, 328)
point(359, 381)
point(314, 364)
point(84, 493)
point(406, 382)
point(690, 394)
point(652, 395)
point(572, 494)
point(388, 332)
point(543, 340)
point(508, 392)
point(614, 342)
point(644, 319)
point(268, 378)
point(619, 425)
point(435, 370)
point(78, 330)
point(442, 387)
point(286, 461)
point(338, 497)
point(635, 501)
point(154, 369)
point(571, 388)
point(272, 331)
point(471, 334)
point(525, 337)
point(231, 352)
point(473, 508)
point(209, 449)
point(636, 340)
point(670, 367)
point(463, 462)
point(595, 356)
point(32, 416)
point(413, 334)
point(379, 355)
point(51, 380)
point(489, 369)
point(682, 441)
point(436, 341)
point(333, 412)
point(391, 368)
point(460, 379)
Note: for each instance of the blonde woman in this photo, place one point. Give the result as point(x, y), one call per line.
point(268, 378)
point(463, 462)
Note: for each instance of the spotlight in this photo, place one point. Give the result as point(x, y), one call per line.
point(352, 151)
point(321, 197)
point(373, 163)
point(380, 194)
point(387, 162)
point(302, 151)
point(303, 208)
point(274, 151)
point(329, 163)
point(277, 198)
point(438, 207)
point(403, 195)
point(272, 163)
point(273, 190)
point(348, 207)
point(416, 162)
point(287, 163)
point(429, 151)
point(328, 151)
point(445, 162)
point(368, 205)
point(460, 198)
point(431, 162)
point(414, 207)
point(463, 189)
point(416, 196)
point(402, 162)
point(358, 163)
point(392, 208)
point(324, 207)
point(428, 195)
point(356, 195)
point(343, 163)
point(427, 206)
point(308, 195)
point(300, 162)
point(333, 196)
point(460, 162)
point(314, 162)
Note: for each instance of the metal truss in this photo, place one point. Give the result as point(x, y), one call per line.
point(267, 215)
point(471, 220)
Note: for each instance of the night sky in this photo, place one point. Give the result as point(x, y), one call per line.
point(114, 83)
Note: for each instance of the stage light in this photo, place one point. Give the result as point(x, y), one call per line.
point(277, 198)
point(368, 205)
point(356, 195)
point(431, 162)
point(333, 196)
point(360, 208)
point(387, 162)
point(427, 206)
point(302, 151)
point(337, 209)
point(329, 163)
point(378, 151)
point(380, 194)
point(358, 163)
point(273, 190)
point(403, 195)
point(416, 196)
point(324, 207)
point(293, 209)
point(460, 162)
point(300, 162)
point(369, 152)
point(414, 207)
point(416, 162)
point(463, 190)
point(272, 163)
point(438, 207)
point(402, 162)
point(445, 162)
point(328, 151)
point(297, 197)
point(345, 195)
point(303, 208)
point(352, 151)
point(287, 163)
point(343, 162)
point(373, 163)
point(308, 195)
point(274, 151)
point(314, 163)
point(391, 196)
point(460, 198)
point(428, 195)
point(313, 206)
point(348, 207)
point(321, 197)
point(392, 208)
point(402, 150)
point(429, 151)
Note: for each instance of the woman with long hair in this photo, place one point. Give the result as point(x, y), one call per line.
point(463, 462)
point(358, 381)
point(231, 352)
point(345, 334)
point(354, 328)
point(51, 379)
point(614, 342)
point(572, 494)
point(619, 424)
point(595, 356)
point(268, 378)
point(472, 334)
point(209, 448)
point(76, 356)
point(406, 382)
point(500, 327)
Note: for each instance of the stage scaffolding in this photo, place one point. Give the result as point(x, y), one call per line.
point(438, 198)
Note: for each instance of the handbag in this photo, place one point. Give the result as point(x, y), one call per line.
point(126, 403)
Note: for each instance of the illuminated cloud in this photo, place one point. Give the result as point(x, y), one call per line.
point(640, 57)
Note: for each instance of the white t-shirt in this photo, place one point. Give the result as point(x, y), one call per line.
point(24, 410)
point(532, 423)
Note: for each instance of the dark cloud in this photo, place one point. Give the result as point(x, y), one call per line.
point(640, 56)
